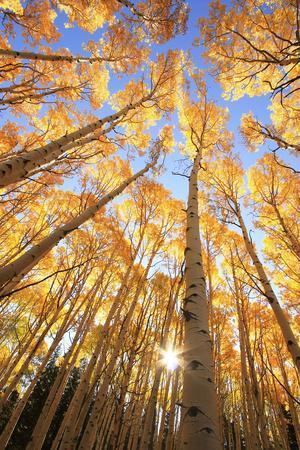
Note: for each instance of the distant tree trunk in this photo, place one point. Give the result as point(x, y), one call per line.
point(257, 395)
point(251, 432)
point(88, 437)
point(294, 243)
point(57, 389)
point(10, 426)
point(171, 428)
point(294, 413)
point(159, 442)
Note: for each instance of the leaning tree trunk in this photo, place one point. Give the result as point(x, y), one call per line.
point(200, 430)
point(49, 57)
point(294, 242)
point(16, 270)
point(270, 295)
point(20, 166)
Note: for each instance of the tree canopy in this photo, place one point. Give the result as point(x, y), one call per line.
point(149, 225)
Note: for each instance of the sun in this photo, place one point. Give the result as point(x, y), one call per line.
point(170, 359)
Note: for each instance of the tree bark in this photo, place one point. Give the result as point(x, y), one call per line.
point(16, 270)
point(282, 321)
point(19, 167)
point(199, 410)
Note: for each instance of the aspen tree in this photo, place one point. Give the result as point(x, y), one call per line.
point(16, 270)
point(230, 187)
point(202, 123)
point(90, 430)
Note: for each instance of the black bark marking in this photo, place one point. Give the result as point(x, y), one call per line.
point(194, 365)
point(193, 411)
point(207, 429)
point(188, 300)
point(188, 315)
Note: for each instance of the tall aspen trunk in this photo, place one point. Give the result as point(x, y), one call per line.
point(19, 167)
point(200, 430)
point(105, 428)
point(83, 396)
point(91, 428)
point(282, 321)
point(134, 419)
point(82, 392)
point(117, 424)
point(150, 411)
point(16, 270)
point(279, 419)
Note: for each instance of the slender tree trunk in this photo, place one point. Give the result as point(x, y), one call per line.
point(261, 423)
point(10, 426)
point(293, 411)
point(252, 439)
point(150, 411)
point(159, 442)
point(171, 428)
point(294, 243)
point(15, 380)
point(88, 438)
point(200, 429)
point(19, 167)
point(44, 57)
point(20, 267)
point(282, 321)
point(76, 408)
point(57, 389)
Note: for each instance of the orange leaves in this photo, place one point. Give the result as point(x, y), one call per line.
point(166, 134)
point(251, 132)
point(38, 19)
point(9, 138)
point(162, 18)
point(203, 124)
point(246, 44)
point(123, 50)
point(88, 16)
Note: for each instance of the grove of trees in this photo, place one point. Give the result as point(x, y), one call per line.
point(138, 312)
